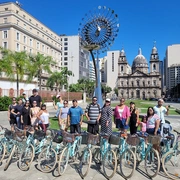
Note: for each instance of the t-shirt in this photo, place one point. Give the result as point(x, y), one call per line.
point(160, 111)
point(64, 112)
point(18, 108)
point(35, 98)
point(151, 121)
point(75, 114)
point(143, 127)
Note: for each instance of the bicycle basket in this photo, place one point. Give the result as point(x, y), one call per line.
point(68, 137)
point(154, 139)
point(8, 134)
point(133, 140)
point(113, 139)
point(39, 135)
point(93, 139)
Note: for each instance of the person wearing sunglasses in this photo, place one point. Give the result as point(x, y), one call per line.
point(63, 124)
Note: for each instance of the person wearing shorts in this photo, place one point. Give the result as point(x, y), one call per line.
point(121, 116)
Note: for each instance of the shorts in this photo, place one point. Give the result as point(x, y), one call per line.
point(12, 121)
point(121, 124)
point(75, 128)
point(151, 131)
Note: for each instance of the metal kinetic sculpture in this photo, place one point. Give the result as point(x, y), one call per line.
point(98, 31)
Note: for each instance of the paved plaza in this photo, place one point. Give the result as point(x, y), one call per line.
point(95, 173)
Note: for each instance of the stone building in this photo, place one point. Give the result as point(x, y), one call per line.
point(141, 81)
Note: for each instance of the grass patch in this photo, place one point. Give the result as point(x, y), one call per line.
point(171, 112)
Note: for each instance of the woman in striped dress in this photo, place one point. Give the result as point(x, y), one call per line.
point(106, 118)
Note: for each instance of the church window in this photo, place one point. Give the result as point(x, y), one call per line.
point(148, 82)
point(132, 83)
point(122, 69)
point(132, 94)
point(154, 67)
point(138, 83)
point(143, 84)
point(154, 82)
point(121, 83)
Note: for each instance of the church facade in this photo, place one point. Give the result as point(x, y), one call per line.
point(142, 81)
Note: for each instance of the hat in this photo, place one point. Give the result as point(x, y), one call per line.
point(108, 100)
point(58, 96)
point(23, 93)
point(34, 90)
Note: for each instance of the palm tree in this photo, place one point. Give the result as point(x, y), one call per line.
point(18, 62)
point(58, 79)
point(38, 65)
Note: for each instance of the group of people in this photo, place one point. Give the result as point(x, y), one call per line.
point(28, 111)
point(124, 117)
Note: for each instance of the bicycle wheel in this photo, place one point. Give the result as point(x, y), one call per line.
point(8, 161)
point(47, 160)
point(63, 161)
point(127, 163)
point(85, 162)
point(26, 158)
point(152, 163)
point(171, 165)
point(109, 163)
point(2, 151)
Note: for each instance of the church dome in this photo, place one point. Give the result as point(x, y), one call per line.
point(154, 50)
point(122, 53)
point(140, 60)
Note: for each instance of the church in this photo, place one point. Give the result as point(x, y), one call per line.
point(139, 81)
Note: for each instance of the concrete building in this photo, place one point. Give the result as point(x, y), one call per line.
point(172, 66)
point(91, 71)
point(140, 83)
point(75, 58)
point(20, 31)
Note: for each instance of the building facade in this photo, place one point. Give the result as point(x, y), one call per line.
point(20, 31)
point(172, 66)
point(141, 81)
point(75, 58)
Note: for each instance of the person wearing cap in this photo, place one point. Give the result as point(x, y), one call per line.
point(58, 105)
point(75, 117)
point(106, 118)
point(121, 116)
point(35, 97)
point(134, 118)
point(160, 110)
point(24, 99)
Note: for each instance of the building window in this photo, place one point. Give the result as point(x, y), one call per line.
point(143, 84)
point(65, 39)
point(65, 48)
point(37, 45)
point(138, 83)
point(154, 82)
point(132, 84)
point(65, 64)
point(47, 50)
point(66, 43)
point(112, 62)
point(122, 69)
point(43, 47)
point(148, 82)
point(24, 26)
point(65, 58)
point(30, 51)
point(154, 67)
point(30, 42)
point(24, 48)
point(17, 47)
point(5, 20)
point(5, 34)
point(18, 36)
point(122, 83)
point(25, 39)
point(65, 53)
point(5, 45)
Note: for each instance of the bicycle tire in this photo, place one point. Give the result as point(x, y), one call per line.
point(150, 157)
point(127, 163)
point(85, 162)
point(24, 163)
point(63, 161)
point(45, 163)
point(2, 151)
point(109, 156)
point(9, 158)
point(171, 165)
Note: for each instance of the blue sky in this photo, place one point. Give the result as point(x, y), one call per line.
point(141, 21)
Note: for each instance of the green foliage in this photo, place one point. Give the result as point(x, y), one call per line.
point(116, 91)
point(4, 103)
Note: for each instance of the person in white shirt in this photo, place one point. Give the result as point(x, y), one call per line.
point(160, 110)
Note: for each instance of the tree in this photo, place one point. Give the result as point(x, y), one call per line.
point(116, 91)
point(18, 62)
point(58, 79)
point(38, 65)
point(105, 89)
point(74, 88)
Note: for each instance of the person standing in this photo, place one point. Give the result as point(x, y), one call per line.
point(43, 117)
point(121, 116)
point(11, 116)
point(35, 97)
point(106, 118)
point(24, 99)
point(75, 117)
point(160, 110)
point(134, 118)
point(33, 115)
point(25, 116)
point(58, 105)
point(63, 114)
point(93, 114)
point(17, 111)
